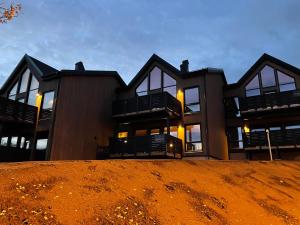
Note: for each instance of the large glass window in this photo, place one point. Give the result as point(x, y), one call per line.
point(143, 87)
point(13, 92)
point(155, 78)
point(13, 141)
point(41, 144)
point(193, 138)
point(268, 77)
point(33, 90)
point(252, 88)
point(24, 81)
point(48, 100)
point(191, 100)
point(169, 85)
point(4, 141)
point(269, 82)
point(235, 135)
point(286, 83)
point(173, 131)
point(158, 81)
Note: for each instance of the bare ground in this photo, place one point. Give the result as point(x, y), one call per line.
point(150, 192)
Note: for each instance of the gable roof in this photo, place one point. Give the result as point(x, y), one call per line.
point(153, 58)
point(265, 57)
point(37, 67)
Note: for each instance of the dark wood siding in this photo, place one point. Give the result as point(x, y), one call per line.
point(83, 116)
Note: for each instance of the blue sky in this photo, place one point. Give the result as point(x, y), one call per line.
point(121, 35)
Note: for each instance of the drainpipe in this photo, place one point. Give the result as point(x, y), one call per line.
point(269, 144)
point(206, 118)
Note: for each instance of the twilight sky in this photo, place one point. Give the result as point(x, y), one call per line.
point(121, 35)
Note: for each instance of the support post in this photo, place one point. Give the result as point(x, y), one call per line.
point(269, 144)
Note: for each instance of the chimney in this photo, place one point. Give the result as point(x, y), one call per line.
point(79, 66)
point(184, 67)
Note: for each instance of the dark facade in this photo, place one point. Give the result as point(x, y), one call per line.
point(46, 114)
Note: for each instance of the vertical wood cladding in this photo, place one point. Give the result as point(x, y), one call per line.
point(83, 116)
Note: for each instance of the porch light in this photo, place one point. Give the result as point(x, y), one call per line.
point(171, 145)
point(125, 141)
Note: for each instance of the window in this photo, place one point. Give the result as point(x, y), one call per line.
point(237, 104)
point(169, 85)
point(24, 81)
point(252, 88)
point(286, 83)
point(155, 78)
point(154, 131)
point(123, 134)
point(13, 92)
point(291, 127)
point(21, 100)
point(33, 90)
point(268, 77)
point(140, 132)
point(173, 131)
point(193, 138)
point(191, 100)
point(4, 141)
point(48, 100)
point(236, 137)
point(14, 141)
point(22, 142)
point(142, 88)
point(159, 81)
point(41, 144)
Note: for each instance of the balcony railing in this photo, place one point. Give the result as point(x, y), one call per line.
point(261, 103)
point(146, 146)
point(14, 111)
point(147, 104)
point(258, 140)
point(14, 154)
point(277, 138)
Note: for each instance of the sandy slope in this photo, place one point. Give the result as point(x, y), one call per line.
point(150, 192)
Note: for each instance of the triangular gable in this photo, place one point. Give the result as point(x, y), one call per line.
point(36, 67)
point(160, 61)
point(264, 58)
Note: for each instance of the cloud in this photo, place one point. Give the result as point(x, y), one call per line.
point(122, 35)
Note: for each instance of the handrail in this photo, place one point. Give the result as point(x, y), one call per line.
point(146, 103)
point(11, 110)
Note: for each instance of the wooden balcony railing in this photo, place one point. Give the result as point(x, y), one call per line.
point(14, 111)
point(14, 154)
point(45, 114)
point(260, 103)
point(146, 104)
point(150, 145)
point(270, 101)
point(257, 140)
point(277, 138)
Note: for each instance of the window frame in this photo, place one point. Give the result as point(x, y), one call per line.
point(162, 87)
point(266, 90)
point(186, 142)
point(195, 103)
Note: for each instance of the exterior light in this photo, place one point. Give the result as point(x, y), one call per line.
point(125, 141)
point(246, 129)
point(171, 145)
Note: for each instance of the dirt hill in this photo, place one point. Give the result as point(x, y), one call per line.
point(150, 192)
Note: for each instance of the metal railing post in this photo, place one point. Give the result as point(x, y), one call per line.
point(269, 144)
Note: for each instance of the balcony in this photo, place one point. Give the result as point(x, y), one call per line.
point(286, 138)
point(281, 139)
point(13, 111)
point(159, 103)
point(160, 145)
point(276, 102)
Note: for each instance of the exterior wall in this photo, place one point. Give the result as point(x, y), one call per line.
point(83, 117)
point(217, 140)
